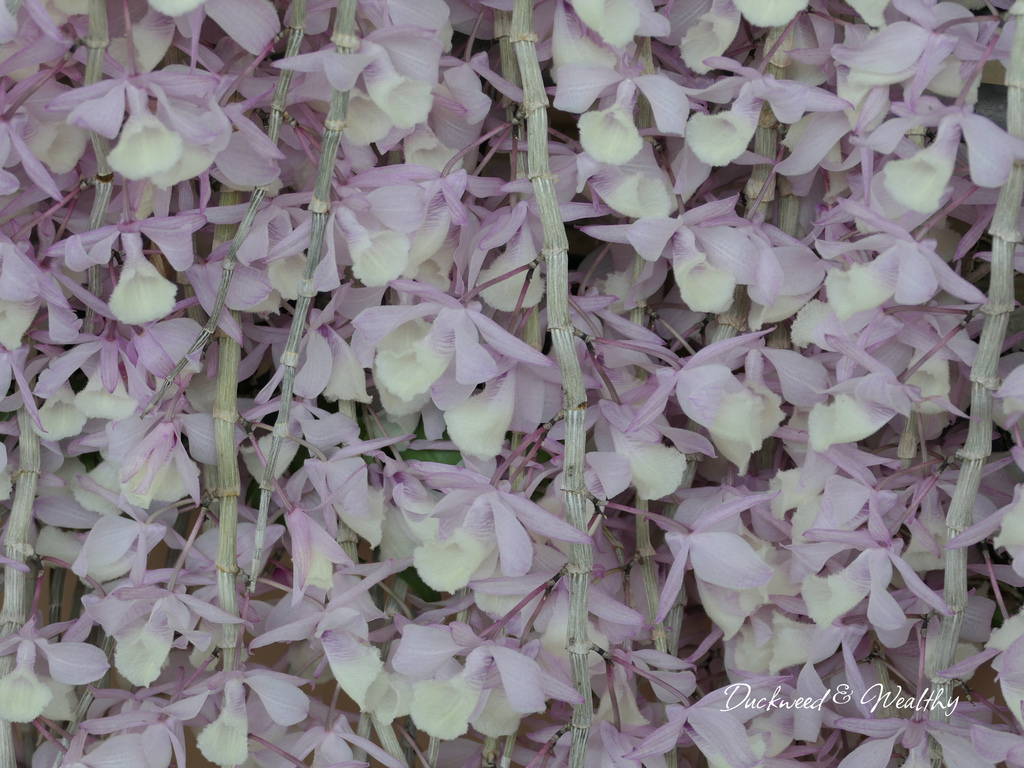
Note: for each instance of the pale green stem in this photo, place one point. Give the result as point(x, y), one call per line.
point(644, 549)
point(389, 739)
point(229, 486)
point(16, 548)
point(907, 448)
point(391, 607)
point(320, 206)
point(506, 754)
point(1005, 234)
point(510, 71)
point(96, 42)
point(277, 111)
point(489, 756)
point(563, 335)
point(760, 192)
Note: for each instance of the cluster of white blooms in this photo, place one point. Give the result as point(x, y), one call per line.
point(530, 375)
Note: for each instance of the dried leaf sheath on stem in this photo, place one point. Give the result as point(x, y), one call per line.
point(984, 380)
point(563, 335)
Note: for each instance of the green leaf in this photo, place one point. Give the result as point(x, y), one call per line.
point(418, 587)
point(441, 457)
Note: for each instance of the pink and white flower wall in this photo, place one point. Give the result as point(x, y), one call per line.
point(510, 382)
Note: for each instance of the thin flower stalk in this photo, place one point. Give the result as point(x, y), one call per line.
point(278, 104)
point(563, 333)
point(506, 754)
point(433, 751)
point(644, 549)
point(489, 756)
point(345, 42)
point(17, 548)
point(531, 329)
point(908, 445)
point(392, 605)
point(510, 71)
point(760, 188)
point(1005, 234)
point(389, 739)
point(759, 191)
point(96, 43)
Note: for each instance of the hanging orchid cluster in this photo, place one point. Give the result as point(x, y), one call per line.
point(510, 382)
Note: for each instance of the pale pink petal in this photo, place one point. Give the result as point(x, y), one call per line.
point(727, 560)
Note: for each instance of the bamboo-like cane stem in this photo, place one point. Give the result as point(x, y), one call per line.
point(760, 192)
point(278, 102)
point(229, 486)
point(984, 380)
point(96, 42)
point(531, 332)
point(644, 550)
point(16, 547)
point(907, 448)
point(320, 205)
point(563, 336)
point(787, 204)
point(510, 71)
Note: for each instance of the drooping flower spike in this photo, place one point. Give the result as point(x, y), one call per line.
point(588, 380)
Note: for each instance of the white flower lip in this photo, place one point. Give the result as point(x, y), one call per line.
point(146, 147)
point(23, 696)
point(175, 7)
point(610, 135)
point(142, 294)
